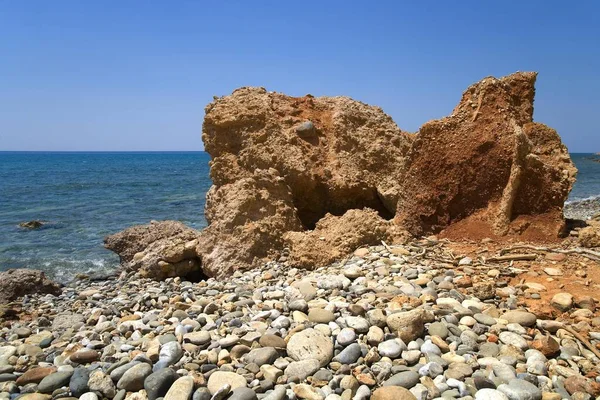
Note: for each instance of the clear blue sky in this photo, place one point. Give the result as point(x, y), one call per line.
point(136, 75)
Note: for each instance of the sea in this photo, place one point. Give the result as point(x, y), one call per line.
point(84, 196)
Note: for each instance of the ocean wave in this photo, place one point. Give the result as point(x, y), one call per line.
point(578, 200)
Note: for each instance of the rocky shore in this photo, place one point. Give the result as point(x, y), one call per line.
point(428, 320)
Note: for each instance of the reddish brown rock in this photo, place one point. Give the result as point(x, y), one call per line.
point(34, 375)
point(488, 170)
point(20, 282)
point(85, 356)
point(547, 345)
point(578, 383)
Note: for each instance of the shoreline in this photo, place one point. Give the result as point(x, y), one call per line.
point(431, 317)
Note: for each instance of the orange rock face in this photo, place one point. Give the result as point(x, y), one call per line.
point(320, 177)
point(488, 169)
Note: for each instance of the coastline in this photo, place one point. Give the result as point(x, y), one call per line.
point(277, 331)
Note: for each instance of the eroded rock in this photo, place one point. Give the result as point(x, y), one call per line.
point(20, 282)
point(315, 178)
point(488, 169)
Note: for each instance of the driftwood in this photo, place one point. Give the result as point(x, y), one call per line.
point(592, 255)
point(513, 257)
point(582, 340)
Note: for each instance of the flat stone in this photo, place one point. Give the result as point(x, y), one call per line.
point(262, 356)
point(349, 355)
point(523, 318)
point(158, 383)
point(272, 341)
point(35, 375)
point(133, 379)
point(181, 389)
point(219, 379)
point(406, 379)
point(490, 394)
point(438, 329)
point(392, 393)
point(198, 338)
point(78, 385)
point(391, 348)
point(242, 393)
point(54, 381)
point(302, 369)
point(519, 389)
point(310, 344)
point(513, 339)
point(320, 315)
point(85, 357)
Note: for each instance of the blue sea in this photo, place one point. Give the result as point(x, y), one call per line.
point(86, 196)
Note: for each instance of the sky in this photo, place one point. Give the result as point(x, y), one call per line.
point(136, 75)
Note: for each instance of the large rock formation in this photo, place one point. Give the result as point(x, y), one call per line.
point(281, 164)
point(488, 169)
point(322, 176)
point(20, 282)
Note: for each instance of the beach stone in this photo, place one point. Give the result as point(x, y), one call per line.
point(242, 393)
point(262, 356)
point(89, 396)
point(490, 394)
point(170, 353)
point(85, 357)
point(320, 315)
point(438, 329)
point(181, 389)
point(54, 381)
point(310, 344)
point(158, 383)
point(391, 348)
point(201, 393)
point(349, 355)
point(406, 379)
point(219, 379)
point(562, 301)
point(346, 336)
point(116, 372)
point(409, 325)
point(133, 378)
point(519, 389)
point(198, 338)
point(35, 396)
point(272, 341)
point(100, 382)
point(392, 393)
point(35, 375)
point(513, 339)
point(359, 324)
point(302, 369)
point(78, 384)
point(304, 391)
point(484, 319)
point(523, 318)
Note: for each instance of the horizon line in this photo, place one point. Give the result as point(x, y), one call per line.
point(102, 151)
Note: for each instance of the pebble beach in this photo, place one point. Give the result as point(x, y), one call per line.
point(403, 322)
